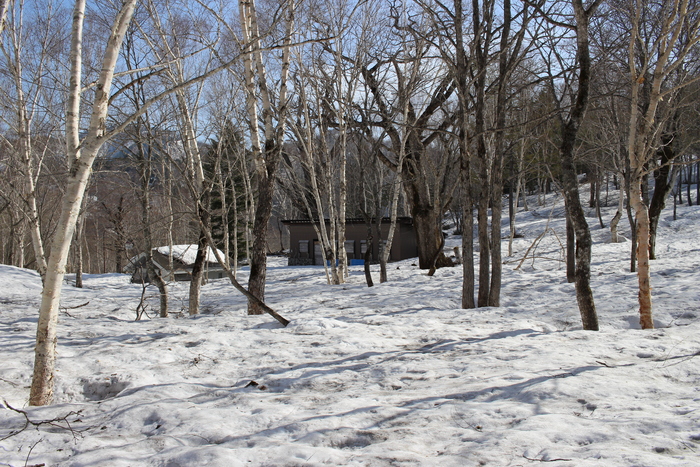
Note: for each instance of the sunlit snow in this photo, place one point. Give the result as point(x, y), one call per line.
point(188, 253)
point(397, 374)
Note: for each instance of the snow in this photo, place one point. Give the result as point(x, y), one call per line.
point(396, 374)
point(188, 253)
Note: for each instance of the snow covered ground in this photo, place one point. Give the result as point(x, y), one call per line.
point(396, 374)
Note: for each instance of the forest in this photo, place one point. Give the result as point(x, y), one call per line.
point(129, 125)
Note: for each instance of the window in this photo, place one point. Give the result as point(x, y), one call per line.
point(304, 248)
point(350, 247)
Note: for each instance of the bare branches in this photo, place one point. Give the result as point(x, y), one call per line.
point(63, 423)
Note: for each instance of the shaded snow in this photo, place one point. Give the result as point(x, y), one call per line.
point(396, 374)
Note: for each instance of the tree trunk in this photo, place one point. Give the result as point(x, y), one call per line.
point(697, 183)
point(4, 6)
point(266, 158)
point(582, 276)
point(200, 260)
point(570, 249)
point(258, 259)
point(145, 198)
point(614, 237)
point(385, 252)
point(482, 155)
point(463, 93)
point(518, 189)
point(570, 127)
point(496, 260)
point(643, 270)
point(78, 245)
point(484, 240)
point(382, 266)
point(368, 257)
point(689, 181)
point(81, 157)
point(663, 185)
point(25, 115)
point(426, 224)
point(597, 199)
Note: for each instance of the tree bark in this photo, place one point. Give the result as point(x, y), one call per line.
point(614, 237)
point(570, 127)
point(643, 270)
point(78, 245)
point(368, 257)
point(266, 158)
point(663, 185)
point(481, 45)
point(258, 260)
point(461, 66)
point(198, 267)
point(570, 249)
point(81, 158)
point(4, 6)
point(582, 276)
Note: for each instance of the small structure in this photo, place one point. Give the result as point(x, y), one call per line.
point(305, 247)
point(183, 261)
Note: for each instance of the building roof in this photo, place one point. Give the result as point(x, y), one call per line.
point(187, 254)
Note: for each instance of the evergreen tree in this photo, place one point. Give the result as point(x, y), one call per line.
point(226, 166)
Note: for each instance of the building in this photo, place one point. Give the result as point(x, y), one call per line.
point(305, 247)
point(183, 261)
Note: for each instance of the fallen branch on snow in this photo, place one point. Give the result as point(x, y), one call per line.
point(55, 422)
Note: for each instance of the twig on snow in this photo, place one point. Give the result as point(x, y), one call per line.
point(66, 308)
point(55, 422)
point(546, 460)
point(9, 382)
point(26, 462)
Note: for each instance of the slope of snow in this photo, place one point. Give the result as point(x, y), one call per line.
point(396, 374)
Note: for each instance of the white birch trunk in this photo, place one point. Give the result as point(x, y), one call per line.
point(26, 103)
point(266, 159)
point(81, 158)
point(4, 6)
point(614, 236)
point(678, 25)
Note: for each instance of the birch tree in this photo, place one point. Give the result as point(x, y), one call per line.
point(654, 55)
point(174, 29)
point(26, 48)
point(266, 150)
point(311, 138)
point(81, 155)
point(325, 85)
point(4, 6)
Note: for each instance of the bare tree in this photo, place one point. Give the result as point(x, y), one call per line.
point(27, 66)
point(427, 182)
point(654, 56)
point(572, 113)
point(266, 153)
point(81, 155)
point(172, 47)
